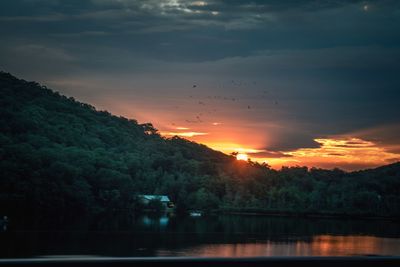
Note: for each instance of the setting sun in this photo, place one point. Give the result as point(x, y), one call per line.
point(242, 156)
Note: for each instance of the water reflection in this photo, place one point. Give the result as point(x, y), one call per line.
point(233, 236)
point(319, 246)
point(154, 221)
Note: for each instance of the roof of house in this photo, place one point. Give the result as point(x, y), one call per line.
point(162, 198)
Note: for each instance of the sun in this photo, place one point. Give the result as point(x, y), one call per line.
point(242, 156)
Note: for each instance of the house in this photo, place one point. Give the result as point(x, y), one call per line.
point(166, 202)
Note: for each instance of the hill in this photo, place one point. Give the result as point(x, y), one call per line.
point(61, 157)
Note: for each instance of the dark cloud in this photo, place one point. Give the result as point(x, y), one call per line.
point(288, 141)
point(384, 135)
point(331, 66)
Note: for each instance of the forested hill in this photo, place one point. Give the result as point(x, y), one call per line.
point(59, 153)
point(59, 157)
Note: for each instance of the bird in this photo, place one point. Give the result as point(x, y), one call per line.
point(194, 86)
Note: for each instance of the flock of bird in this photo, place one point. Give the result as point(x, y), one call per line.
point(206, 101)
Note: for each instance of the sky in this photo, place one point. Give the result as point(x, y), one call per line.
point(291, 83)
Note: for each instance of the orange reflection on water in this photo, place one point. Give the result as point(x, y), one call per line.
point(326, 245)
point(322, 245)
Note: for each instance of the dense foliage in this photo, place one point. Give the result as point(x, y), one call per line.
point(61, 157)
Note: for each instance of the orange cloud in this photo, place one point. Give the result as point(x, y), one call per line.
point(347, 153)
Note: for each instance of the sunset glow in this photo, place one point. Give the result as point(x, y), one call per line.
point(241, 156)
point(266, 142)
point(214, 73)
point(348, 153)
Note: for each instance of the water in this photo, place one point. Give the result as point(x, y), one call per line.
point(217, 236)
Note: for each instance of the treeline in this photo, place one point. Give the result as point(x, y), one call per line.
point(60, 157)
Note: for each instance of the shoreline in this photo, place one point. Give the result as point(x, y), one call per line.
point(327, 215)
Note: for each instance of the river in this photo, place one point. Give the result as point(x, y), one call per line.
point(213, 236)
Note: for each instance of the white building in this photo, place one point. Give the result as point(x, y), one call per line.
point(167, 203)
